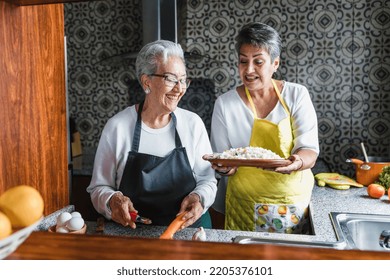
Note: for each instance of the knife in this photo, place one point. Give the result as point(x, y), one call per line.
point(138, 219)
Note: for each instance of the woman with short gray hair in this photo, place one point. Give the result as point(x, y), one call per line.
point(149, 158)
point(272, 114)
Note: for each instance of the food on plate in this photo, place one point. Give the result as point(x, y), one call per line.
point(173, 227)
point(5, 226)
point(23, 205)
point(375, 190)
point(336, 181)
point(384, 177)
point(247, 153)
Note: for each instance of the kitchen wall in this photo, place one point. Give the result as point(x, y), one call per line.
point(339, 49)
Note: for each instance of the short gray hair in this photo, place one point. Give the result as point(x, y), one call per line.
point(260, 35)
point(154, 53)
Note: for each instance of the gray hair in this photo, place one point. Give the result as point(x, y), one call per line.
point(260, 35)
point(154, 53)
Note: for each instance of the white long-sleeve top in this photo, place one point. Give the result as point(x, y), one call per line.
point(116, 141)
point(232, 122)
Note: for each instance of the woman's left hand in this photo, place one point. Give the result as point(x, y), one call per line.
point(301, 160)
point(295, 165)
point(191, 203)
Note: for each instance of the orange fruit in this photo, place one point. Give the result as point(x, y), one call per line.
point(5, 226)
point(375, 190)
point(22, 204)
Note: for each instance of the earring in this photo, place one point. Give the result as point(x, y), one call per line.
point(147, 91)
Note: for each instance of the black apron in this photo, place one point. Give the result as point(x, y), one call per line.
point(157, 185)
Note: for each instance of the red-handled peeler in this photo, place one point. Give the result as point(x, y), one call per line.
point(138, 219)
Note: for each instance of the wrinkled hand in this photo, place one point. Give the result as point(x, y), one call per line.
point(295, 165)
point(191, 203)
point(121, 206)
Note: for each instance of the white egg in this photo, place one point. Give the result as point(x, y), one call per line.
point(63, 218)
point(76, 214)
point(62, 229)
point(75, 223)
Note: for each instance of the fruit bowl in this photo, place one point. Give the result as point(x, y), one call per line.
point(9, 244)
point(80, 231)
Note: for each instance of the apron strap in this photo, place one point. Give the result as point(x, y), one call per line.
point(251, 102)
point(280, 97)
point(277, 93)
point(137, 131)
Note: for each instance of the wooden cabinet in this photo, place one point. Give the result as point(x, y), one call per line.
point(39, 2)
point(33, 136)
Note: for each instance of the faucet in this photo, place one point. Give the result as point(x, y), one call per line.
point(384, 239)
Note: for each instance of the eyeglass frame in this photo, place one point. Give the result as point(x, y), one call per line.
point(175, 83)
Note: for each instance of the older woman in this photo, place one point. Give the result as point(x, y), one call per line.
point(272, 114)
point(149, 158)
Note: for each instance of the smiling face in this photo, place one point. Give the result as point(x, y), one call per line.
point(165, 97)
point(255, 67)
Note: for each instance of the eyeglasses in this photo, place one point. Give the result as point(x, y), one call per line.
point(172, 81)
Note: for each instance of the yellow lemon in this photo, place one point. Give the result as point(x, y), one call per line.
point(5, 226)
point(22, 204)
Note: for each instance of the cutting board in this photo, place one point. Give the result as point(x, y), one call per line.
point(335, 179)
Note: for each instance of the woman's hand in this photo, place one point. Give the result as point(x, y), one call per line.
point(295, 165)
point(301, 160)
point(224, 170)
point(121, 206)
point(191, 203)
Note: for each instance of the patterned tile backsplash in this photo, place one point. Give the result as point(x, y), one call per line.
point(339, 49)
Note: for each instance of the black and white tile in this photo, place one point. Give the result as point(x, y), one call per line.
point(339, 49)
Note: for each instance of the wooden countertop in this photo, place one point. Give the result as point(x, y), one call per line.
point(52, 246)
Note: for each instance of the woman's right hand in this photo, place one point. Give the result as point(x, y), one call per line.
point(121, 206)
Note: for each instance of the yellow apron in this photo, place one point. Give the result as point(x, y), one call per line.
point(263, 200)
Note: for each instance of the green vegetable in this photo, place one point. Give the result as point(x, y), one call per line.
point(384, 177)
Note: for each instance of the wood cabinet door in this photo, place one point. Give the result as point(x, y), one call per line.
point(33, 138)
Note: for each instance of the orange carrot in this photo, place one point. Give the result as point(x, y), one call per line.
point(173, 227)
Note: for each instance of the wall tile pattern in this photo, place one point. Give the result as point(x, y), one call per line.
point(339, 49)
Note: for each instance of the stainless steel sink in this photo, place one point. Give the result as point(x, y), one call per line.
point(363, 231)
point(300, 243)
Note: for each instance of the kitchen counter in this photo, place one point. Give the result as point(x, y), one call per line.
point(354, 200)
point(324, 201)
point(54, 246)
point(123, 242)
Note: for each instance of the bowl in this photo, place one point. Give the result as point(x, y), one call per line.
point(9, 244)
point(83, 230)
point(368, 172)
